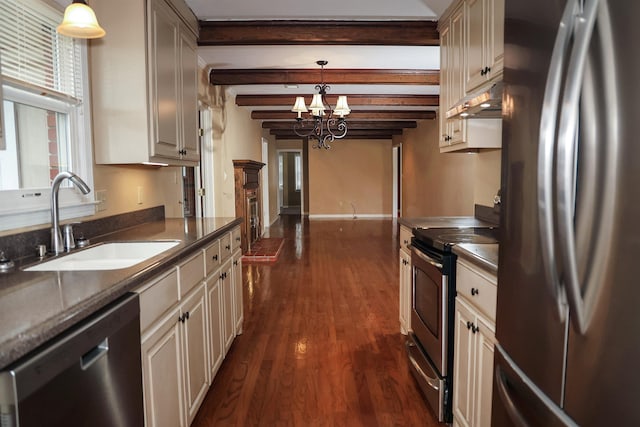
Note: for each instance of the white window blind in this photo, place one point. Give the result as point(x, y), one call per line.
point(33, 55)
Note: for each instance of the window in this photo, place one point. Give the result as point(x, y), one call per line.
point(45, 113)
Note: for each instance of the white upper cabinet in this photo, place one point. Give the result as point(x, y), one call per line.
point(483, 41)
point(144, 84)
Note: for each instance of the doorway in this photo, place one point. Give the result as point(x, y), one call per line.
point(290, 193)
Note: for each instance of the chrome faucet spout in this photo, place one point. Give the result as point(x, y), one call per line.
point(56, 235)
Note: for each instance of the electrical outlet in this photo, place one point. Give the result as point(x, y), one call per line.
point(101, 198)
point(140, 195)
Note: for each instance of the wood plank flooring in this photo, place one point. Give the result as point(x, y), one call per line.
point(321, 343)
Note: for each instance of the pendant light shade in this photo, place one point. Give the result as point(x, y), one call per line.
point(80, 22)
point(299, 107)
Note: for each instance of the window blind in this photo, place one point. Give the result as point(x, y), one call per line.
point(33, 54)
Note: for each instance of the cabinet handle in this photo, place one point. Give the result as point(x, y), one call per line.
point(181, 319)
point(237, 239)
point(235, 262)
point(186, 315)
point(474, 291)
point(469, 324)
point(488, 70)
point(215, 257)
point(474, 329)
point(228, 247)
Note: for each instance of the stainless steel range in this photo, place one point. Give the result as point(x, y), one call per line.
point(430, 345)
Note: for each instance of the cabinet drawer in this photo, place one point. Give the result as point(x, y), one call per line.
point(235, 239)
point(405, 237)
point(212, 257)
point(225, 246)
point(191, 272)
point(157, 297)
point(478, 287)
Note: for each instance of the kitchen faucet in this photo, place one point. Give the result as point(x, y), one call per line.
point(56, 235)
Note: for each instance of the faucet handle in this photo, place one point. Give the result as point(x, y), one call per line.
point(67, 234)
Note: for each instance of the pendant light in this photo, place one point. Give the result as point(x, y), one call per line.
point(80, 22)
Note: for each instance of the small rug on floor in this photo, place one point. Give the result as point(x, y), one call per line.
point(266, 249)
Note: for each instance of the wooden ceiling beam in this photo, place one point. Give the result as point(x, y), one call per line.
point(287, 32)
point(357, 133)
point(268, 76)
point(352, 125)
point(355, 115)
point(369, 100)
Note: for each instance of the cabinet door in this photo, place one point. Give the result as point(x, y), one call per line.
point(474, 43)
point(216, 321)
point(485, 345)
point(463, 375)
point(189, 105)
point(226, 284)
point(405, 292)
point(495, 36)
point(456, 59)
point(162, 374)
point(445, 46)
point(238, 290)
point(195, 350)
point(164, 79)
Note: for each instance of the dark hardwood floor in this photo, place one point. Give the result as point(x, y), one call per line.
point(321, 343)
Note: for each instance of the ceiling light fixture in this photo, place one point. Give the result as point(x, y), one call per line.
point(324, 131)
point(80, 22)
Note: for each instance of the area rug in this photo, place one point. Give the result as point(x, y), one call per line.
point(266, 249)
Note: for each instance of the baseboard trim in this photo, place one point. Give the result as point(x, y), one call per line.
point(349, 216)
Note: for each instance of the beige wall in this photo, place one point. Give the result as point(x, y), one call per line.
point(487, 180)
point(353, 174)
point(432, 183)
point(437, 183)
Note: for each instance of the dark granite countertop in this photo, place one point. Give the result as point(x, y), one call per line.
point(483, 255)
point(36, 306)
point(443, 222)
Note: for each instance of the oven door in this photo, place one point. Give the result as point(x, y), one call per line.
point(429, 309)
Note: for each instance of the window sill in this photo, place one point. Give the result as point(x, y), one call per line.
point(18, 218)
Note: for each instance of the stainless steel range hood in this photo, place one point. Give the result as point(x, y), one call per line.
point(485, 103)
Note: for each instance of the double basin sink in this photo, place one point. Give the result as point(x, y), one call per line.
point(106, 256)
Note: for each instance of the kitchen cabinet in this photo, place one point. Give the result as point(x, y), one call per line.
point(460, 42)
point(226, 285)
point(405, 280)
point(474, 344)
point(483, 42)
point(452, 88)
point(238, 313)
point(195, 351)
point(189, 317)
point(144, 84)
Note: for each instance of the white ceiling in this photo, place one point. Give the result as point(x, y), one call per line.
point(344, 57)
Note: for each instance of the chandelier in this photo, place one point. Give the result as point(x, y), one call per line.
point(323, 130)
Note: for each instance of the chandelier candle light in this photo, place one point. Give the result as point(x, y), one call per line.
point(324, 131)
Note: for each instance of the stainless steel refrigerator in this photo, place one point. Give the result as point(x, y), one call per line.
point(568, 315)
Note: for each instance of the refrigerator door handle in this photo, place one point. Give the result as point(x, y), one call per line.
point(546, 148)
point(568, 143)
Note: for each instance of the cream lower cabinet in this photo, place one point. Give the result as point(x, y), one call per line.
point(405, 280)
point(189, 318)
point(162, 373)
point(238, 313)
point(195, 352)
point(473, 346)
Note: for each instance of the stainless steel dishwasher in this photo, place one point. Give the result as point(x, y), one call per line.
point(90, 375)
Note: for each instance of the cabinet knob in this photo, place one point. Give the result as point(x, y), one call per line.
point(228, 247)
point(474, 291)
point(186, 315)
point(235, 262)
point(237, 239)
point(215, 257)
point(474, 328)
point(469, 324)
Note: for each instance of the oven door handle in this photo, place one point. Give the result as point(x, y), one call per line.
point(434, 383)
point(426, 257)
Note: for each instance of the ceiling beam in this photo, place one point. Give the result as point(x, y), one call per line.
point(364, 100)
point(352, 125)
point(355, 115)
point(352, 134)
point(331, 76)
point(381, 33)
